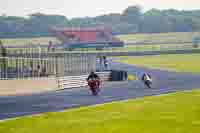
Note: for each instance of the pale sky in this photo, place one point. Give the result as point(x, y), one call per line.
point(82, 8)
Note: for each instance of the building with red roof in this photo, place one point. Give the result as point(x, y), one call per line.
point(96, 37)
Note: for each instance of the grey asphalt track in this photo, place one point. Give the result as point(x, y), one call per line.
point(164, 82)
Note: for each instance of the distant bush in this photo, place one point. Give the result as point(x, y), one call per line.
point(131, 77)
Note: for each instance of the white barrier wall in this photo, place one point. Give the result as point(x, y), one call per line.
point(27, 86)
point(79, 81)
point(30, 86)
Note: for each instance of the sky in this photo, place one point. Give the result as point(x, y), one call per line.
point(82, 8)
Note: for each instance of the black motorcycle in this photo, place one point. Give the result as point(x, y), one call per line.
point(148, 83)
point(147, 80)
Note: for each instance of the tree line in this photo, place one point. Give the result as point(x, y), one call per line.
point(131, 20)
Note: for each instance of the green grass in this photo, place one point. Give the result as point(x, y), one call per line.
point(129, 48)
point(157, 47)
point(26, 41)
point(171, 113)
point(175, 62)
point(175, 37)
point(161, 38)
point(131, 77)
point(142, 48)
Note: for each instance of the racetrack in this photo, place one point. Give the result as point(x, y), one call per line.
point(164, 82)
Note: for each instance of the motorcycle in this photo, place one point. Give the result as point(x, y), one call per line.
point(94, 86)
point(147, 80)
point(148, 83)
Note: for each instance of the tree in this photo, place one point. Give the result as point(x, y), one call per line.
point(151, 22)
point(132, 14)
point(131, 20)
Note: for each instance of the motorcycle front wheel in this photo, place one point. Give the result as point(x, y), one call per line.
point(148, 84)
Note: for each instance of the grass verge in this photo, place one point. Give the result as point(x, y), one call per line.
point(175, 62)
point(171, 113)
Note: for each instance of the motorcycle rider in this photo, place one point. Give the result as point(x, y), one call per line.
point(94, 76)
point(146, 76)
point(147, 79)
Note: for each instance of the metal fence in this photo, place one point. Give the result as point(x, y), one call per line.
point(12, 67)
point(52, 66)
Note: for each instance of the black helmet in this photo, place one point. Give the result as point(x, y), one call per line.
point(92, 72)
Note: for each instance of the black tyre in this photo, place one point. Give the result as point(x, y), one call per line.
point(148, 84)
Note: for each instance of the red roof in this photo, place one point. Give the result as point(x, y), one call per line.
point(80, 29)
point(76, 36)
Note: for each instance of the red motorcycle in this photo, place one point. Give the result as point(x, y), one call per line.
point(94, 86)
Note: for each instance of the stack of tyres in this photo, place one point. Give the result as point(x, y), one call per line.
point(117, 75)
point(124, 75)
point(120, 75)
point(114, 75)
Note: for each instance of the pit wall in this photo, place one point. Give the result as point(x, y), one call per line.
point(27, 86)
point(80, 81)
point(32, 86)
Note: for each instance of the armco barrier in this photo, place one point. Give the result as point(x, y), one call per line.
point(79, 81)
